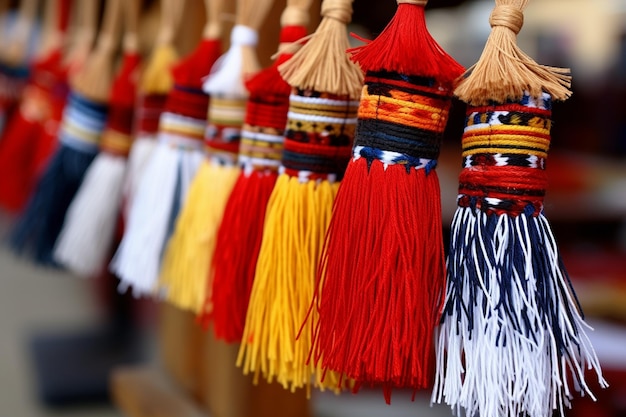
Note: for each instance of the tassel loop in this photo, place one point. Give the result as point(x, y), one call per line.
point(422, 3)
point(339, 10)
point(507, 16)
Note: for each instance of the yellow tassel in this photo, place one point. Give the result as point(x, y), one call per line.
point(185, 268)
point(286, 268)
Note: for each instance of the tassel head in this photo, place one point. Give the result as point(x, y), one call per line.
point(505, 147)
point(401, 120)
point(319, 135)
point(223, 133)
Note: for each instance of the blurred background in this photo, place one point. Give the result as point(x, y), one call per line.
point(61, 336)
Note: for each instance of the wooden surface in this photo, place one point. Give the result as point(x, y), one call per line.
point(147, 392)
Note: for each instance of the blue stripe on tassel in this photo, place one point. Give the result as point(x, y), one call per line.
point(507, 291)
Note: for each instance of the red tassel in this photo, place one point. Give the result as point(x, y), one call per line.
point(186, 97)
point(381, 276)
point(240, 233)
point(239, 241)
point(30, 136)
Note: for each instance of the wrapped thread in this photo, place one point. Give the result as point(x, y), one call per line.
point(90, 224)
point(318, 143)
point(160, 193)
point(381, 274)
point(241, 229)
point(186, 274)
point(512, 330)
point(187, 258)
point(171, 167)
point(401, 122)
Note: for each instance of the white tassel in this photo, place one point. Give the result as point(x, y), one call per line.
point(138, 258)
point(91, 220)
point(140, 153)
point(511, 331)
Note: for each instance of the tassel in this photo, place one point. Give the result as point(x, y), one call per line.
point(241, 229)
point(317, 145)
point(512, 336)
point(186, 263)
point(29, 139)
point(155, 84)
point(381, 273)
point(87, 236)
point(167, 178)
point(83, 122)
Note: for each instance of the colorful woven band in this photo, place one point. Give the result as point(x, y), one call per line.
point(185, 128)
point(187, 101)
point(83, 123)
point(181, 132)
point(148, 114)
point(223, 134)
point(262, 134)
point(319, 136)
point(504, 154)
point(401, 120)
point(117, 136)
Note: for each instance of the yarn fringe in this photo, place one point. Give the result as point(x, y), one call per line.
point(239, 234)
point(510, 311)
point(185, 269)
point(151, 218)
point(89, 229)
point(140, 153)
point(391, 204)
point(285, 275)
point(38, 227)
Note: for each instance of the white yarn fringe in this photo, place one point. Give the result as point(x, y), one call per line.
point(91, 220)
point(140, 153)
point(138, 257)
point(499, 366)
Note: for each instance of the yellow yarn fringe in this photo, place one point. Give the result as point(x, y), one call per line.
point(297, 217)
point(185, 269)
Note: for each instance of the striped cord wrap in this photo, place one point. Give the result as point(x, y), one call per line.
point(401, 120)
point(117, 137)
point(318, 140)
point(148, 113)
point(262, 134)
point(181, 131)
point(223, 133)
point(504, 156)
point(83, 123)
point(512, 336)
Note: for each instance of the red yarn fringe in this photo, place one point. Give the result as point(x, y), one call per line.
point(405, 46)
point(238, 244)
point(378, 315)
